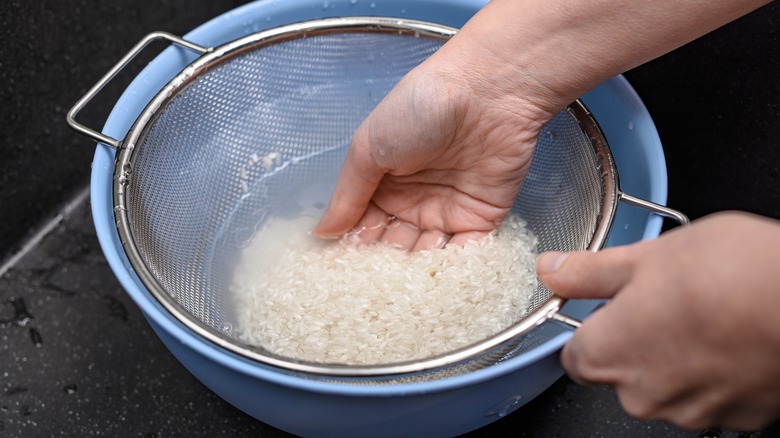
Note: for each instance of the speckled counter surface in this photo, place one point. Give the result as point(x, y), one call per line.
point(77, 358)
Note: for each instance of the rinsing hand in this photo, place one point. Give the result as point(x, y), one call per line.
point(435, 162)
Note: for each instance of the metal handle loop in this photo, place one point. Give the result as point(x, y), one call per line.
point(99, 136)
point(655, 208)
point(658, 209)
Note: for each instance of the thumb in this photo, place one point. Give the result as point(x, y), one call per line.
point(356, 184)
point(586, 274)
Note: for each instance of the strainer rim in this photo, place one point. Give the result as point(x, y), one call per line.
point(123, 171)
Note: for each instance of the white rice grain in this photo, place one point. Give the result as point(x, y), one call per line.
point(337, 302)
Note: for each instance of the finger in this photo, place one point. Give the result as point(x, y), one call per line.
point(401, 234)
point(595, 354)
point(357, 182)
point(466, 237)
point(371, 226)
point(586, 274)
point(431, 239)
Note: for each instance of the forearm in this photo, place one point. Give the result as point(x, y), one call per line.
point(550, 53)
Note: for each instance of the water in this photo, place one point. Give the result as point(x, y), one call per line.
point(19, 314)
point(310, 200)
point(70, 389)
point(505, 408)
point(35, 337)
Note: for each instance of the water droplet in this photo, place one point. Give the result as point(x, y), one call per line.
point(631, 125)
point(710, 433)
point(372, 5)
point(353, 2)
point(504, 408)
point(325, 5)
point(116, 308)
point(13, 390)
point(35, 337)
point(70, 389)
point(21, 316)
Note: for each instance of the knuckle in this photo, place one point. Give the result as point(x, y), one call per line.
point(640, 408)
point(692, 418)
point(691, 415)
point(705, 410)
point(579, 362)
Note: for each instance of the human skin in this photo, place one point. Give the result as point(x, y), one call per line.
point(691, 333)
point(445, 153)
point(442, 158)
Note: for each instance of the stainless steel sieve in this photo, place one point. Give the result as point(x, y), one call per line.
point(261, 125)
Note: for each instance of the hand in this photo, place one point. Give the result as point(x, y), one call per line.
point(435, 162)
point(442, 157)
point(692, 333)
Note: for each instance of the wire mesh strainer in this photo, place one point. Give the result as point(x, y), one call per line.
point(266, 119)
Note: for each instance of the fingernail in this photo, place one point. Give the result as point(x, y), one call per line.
point(316, 232)
point(327, 236)
point(549, 262)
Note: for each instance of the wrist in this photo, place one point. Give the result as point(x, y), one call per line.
point(539, 56)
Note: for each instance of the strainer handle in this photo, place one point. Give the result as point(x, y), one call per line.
point(658, 209)
point(99, 136)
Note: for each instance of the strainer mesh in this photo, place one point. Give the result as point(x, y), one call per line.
point(258, 132)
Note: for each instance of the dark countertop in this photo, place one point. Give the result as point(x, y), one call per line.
point(77, 358)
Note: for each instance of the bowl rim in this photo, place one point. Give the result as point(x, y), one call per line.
point(102, 207)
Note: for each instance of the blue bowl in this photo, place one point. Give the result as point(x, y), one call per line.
point(436, 408)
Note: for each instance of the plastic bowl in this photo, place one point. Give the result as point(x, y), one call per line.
point(437, 408)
